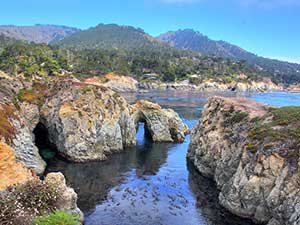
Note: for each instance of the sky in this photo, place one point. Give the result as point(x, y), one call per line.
point(269, 28)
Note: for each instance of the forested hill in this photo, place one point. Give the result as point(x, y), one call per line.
point(128, 51)
point(37, 33)
point(111, 36)
point(195, 41)
point(6, 41)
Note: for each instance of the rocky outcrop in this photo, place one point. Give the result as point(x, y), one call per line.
point(163, 125)
point(115, 82)
point(90, 122)
point(252, 152)
point(68, 197)
point(87, 122)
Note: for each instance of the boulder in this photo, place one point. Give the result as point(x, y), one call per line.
point(251, 150)
point(68, 199)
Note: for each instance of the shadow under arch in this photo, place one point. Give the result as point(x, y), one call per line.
point(47, 149)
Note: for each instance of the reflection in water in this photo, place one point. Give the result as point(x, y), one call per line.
point(92, 181)
point(207, 200)
point(150, 183)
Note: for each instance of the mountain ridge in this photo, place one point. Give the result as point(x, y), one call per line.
point(37, 33)
point(190, 39)
point(110, 36)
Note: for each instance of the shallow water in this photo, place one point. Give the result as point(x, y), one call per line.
point(152, 183)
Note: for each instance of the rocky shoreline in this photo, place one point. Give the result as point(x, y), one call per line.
point(251, 151)
point(129, 84)
point(212, 86)
point(85, 122)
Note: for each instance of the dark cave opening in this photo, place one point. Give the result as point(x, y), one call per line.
point(47, 149)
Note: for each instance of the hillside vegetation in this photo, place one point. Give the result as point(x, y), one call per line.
point(170, 65)
point(111, 36)
point(192, 40)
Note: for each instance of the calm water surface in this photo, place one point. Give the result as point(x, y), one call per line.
point(152, 182)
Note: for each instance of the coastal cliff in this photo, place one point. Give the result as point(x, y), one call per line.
point(251, 151)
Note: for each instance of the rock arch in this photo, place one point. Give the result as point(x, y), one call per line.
point(163, 125)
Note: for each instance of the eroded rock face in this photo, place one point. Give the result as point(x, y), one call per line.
point(241, 145)
point(25, 148)
point(164, 125)
point(12, 172)
point(17, 124)
point(87, 122)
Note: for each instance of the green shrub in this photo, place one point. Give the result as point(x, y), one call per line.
point(287, 121)
point(86, 89)
point(22, 203)
point(251, 147)
point(57, 218)
point(239, 116)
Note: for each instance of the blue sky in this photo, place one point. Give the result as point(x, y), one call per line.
point(268, 28)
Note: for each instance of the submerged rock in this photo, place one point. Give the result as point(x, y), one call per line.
point(252, 152)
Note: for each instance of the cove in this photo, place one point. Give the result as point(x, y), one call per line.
point(151, 183)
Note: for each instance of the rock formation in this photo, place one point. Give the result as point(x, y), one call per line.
point(115, 82)
point(252, 152)
point(163, 125)
point(85, 121)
